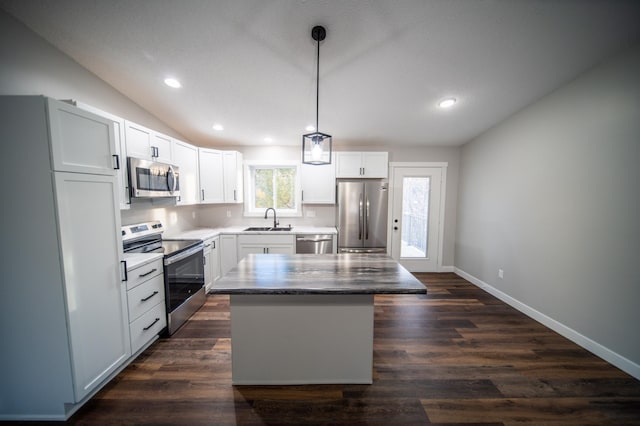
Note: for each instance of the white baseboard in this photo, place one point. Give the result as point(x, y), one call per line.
point(592, 346)
point(446, 268)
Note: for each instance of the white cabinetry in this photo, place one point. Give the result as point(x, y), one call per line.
point(362, 164)
point(147, 143)
point(232, 169)
point(185, 156)
point(71, 327)
point(265, 244)
point(211, 176)
point(121, 152)
point(228, 253)
point(146, 303)
point(211, 262)
point(318, 183)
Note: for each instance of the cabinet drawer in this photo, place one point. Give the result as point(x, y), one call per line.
point(145, 296)
point(142, 273)
point(147, 326)
point(266, 240)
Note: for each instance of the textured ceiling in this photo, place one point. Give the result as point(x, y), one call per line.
point(250, 64)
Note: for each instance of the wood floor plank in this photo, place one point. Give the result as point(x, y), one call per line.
point(456, 356)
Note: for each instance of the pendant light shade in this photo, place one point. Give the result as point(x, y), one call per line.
point(316, 146)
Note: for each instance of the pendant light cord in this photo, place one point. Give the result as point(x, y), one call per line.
point(318, 86)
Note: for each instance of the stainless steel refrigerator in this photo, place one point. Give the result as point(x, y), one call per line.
point(362, 216)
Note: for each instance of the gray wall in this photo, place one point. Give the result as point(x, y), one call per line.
point(29, 65)
point(552, 196)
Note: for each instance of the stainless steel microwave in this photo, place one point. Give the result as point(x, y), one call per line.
point(148, 179)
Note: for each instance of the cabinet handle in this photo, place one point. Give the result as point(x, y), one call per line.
point(151, 325)
point(147, 273)
point(117, 158)
point(202, 194)
point(214, 244)
point(234, 195)
point(149, 297)
point(302, 196)
point(123, 263)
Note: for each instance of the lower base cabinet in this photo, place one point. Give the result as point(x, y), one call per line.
point(146, 302)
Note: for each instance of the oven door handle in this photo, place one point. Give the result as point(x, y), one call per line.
point(189, 252)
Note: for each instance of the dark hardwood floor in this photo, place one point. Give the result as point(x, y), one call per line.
point(457, 356)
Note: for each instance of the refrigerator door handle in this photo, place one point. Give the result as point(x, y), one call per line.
point(360, 217)
point(366, 219)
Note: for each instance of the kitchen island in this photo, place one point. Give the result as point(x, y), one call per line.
point(307, 319)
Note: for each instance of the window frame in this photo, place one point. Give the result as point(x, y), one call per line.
point(249, 188)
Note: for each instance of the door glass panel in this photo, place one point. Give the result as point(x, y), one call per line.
point(415, 217)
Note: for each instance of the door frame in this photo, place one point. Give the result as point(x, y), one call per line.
point(443, 197)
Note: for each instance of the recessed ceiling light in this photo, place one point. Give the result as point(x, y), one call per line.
point(268, 139)
point(309, 128)
point(218, 127)
point(447, 103)
point(172, 82)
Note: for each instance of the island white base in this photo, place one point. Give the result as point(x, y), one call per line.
point(302, 339)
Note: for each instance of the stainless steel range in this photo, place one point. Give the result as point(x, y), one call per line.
point(183, 268)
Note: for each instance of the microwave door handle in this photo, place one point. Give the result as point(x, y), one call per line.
point(171, 180)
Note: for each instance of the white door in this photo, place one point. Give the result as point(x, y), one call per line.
point(415, 219)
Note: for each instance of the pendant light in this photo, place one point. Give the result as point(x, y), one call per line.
point(316, 146)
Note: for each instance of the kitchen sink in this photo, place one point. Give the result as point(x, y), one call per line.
point(268, 228)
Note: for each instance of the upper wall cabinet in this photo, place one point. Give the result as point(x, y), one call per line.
point(211, 176)
point(185, 156)
point(318, 183)
point(362, 164)
point(232, 180)
point(146, 143)
point(120, 150)
point(80, 141)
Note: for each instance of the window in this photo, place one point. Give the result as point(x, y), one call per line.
point(270, 185)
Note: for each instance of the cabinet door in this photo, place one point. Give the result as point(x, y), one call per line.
point(95, 294)
point(318, 183)
point(245, 249)
point(138, 140)
point(162, 145)
point(208, 270)
point(211, 176)
point(281, 249)
point(215, 259)
point(375, 164)
point(228, 253)
point(81, 142)
point(121, 152)
point(348, 164)
point(232, 181)
point(185, 156)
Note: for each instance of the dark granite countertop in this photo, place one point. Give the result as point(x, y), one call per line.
point(318, 274)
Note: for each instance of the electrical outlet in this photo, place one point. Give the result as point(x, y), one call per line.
point(228, 213)
point(193, 215)
point(500, 273)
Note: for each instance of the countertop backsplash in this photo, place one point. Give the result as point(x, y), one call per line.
point(178, 219)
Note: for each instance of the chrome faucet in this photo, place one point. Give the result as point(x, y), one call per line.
point(275, 224)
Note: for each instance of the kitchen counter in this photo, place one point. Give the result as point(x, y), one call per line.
point(307, 319)
point(204, 233)
point(313, 274)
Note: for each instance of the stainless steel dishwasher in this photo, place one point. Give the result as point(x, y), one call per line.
point(314, 244)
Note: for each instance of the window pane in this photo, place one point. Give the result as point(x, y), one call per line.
point(264, 188)
point(285, 189)
point(415, 217)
